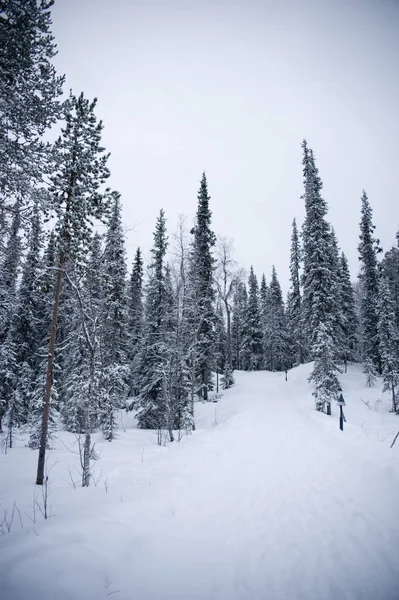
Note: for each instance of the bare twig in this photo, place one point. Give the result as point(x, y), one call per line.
point(394, 439)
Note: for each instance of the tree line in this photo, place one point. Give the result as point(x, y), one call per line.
point(81, 338)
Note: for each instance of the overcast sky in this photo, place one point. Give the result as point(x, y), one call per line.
point(232, 88)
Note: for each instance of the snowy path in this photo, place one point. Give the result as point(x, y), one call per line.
point(268, 505)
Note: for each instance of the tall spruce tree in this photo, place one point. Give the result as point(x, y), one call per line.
point(151, 398)
point(77, 197)
point(252, 357)
point(318, 303)
point(390, 269)
point(202, 291)
point(240, 300)
point(319, 286)
point(26, 321)
point(348, 310)
point(8, 289)
point(115, 326)
point(135, 317)
point(388, 343)
point(294, 304)
point(337, 309)
point(369, 275)
point(277, 339)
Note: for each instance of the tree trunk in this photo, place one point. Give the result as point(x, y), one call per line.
point(49, 375)
point(229, 356)
point(329, 408)
point(205, 384)
point(86, 459)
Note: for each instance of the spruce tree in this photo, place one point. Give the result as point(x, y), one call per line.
point(7, 378)
point(26, 321)
point(115, 326)
point(388, 343)
point(240, 300)
point(320, 287)
point(8, 288)
point(390, 269)
point(348, 311)
point(202, 292)
point(135, 317)
point(337, 308)
point(252, 334)
point(277, 339)
point(294, 307)
point(369, 275)
point(327, 386)
point(318, 275)
point(264, 319)
point(77, 198)
point(151, 398)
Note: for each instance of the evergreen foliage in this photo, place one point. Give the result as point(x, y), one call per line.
point(278, 352)
point(115, 320)
point(202, 291)
point(251, 352)
point(389, 343)
point(240, 301)
point(327, 386)
point(294, 304)
point(135, 317)
point(29, 91)
point(369, 275)
point(349, 320)
point(318, 271)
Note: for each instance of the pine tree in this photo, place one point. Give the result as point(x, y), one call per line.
point(7, 376)
point(369, 274)
point(115, 327)
point(26, 321)
point(202, 292)
point(76, 200)
point(152, 412)
point(240, 300)
point(337, 308)
point(294, 307)
point(264, 319)
point(348, 310)
point(8, 286)
point(318, 273)
point(327, 386)
point(277, 339)
point(29, 88)
point(252, 337)
point(389, 343)
point(370, 371)
point(390, 269)
point(135, 316)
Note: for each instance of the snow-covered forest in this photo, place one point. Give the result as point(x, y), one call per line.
point(93, 346)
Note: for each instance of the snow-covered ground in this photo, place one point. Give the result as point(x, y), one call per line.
point(267, 500)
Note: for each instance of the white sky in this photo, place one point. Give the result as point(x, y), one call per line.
point(233, 88)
